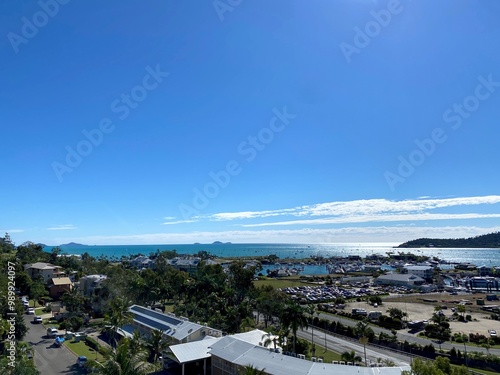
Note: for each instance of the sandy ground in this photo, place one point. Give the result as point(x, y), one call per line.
point(480, 323)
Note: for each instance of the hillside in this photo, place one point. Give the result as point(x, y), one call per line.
point(491, 240)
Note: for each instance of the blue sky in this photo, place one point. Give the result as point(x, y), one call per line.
point(188, 121)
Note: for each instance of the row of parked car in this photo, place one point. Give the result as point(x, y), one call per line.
point(327, 292)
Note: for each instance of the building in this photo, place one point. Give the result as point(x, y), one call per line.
point(425, 272)
point(231, 355)
point(89, 283)
point(400, 279)
point(45, 270)
point(58, 286)
point(195, 356)
point(141, 262)
point(178, 329)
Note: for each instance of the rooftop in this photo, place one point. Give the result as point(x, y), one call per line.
point(243, 353)
point(171, 325)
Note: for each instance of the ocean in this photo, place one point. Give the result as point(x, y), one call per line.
point(479, 257)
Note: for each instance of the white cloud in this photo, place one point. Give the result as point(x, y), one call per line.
point(376, 218)
point(63, 227)
point(387, 234)
point(11, 231)
point(179, 222)
point(364, 210)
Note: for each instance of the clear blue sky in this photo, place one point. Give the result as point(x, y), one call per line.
point(331, 121)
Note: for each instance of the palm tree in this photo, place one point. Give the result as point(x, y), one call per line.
point(363, 331)
point(293, 317)
point(272, 337)
point(351, 357)
point(156, 344)
point(250, 370)
point(126, 360)
point(119, 315)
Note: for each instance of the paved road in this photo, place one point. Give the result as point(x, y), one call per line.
point(49, 359)
point(340, 345)
point(411, 338)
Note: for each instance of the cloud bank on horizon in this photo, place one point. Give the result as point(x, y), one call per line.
point(366, 220)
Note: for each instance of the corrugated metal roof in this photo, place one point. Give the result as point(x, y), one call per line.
point(245, 354)
point(170, 325)
point(193, 351)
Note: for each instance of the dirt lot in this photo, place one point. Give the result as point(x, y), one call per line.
point(418, 309)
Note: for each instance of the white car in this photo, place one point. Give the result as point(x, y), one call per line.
point(30, 311)
point(493, 333)
point(51, 332)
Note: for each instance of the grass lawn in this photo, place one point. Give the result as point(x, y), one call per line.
point(39, 311)
point(328, 356)
point(79, 348)
point(169, 308)
point(281, 282)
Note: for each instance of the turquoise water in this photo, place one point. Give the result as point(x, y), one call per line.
point(489, 257)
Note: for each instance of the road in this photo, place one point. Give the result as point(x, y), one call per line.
point(49, 359)
point(340, 345)
point(411, 338)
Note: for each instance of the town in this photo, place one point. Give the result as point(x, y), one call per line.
point(188, 314)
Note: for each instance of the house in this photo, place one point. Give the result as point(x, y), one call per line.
point(45, 270)
point(425, 272)
point(141, 262)
point(398, 279)
point(89, 283)
point(58, 286)
point(188, 264)
point(178, 329)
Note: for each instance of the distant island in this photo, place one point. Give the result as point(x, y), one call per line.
point(221, 243)
point(491, 240)
point(72, 244)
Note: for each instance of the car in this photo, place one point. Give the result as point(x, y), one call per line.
point(493, 333)
point(81, 360)
point(52, 332)
point(37, 319)
point(30, 311)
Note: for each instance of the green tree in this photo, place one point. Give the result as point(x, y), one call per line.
point(118, 315)
point(250, 370)
point(396, 313)
point(294, 318)
point(127, 360)
point(73, 300)
point(157, 343)
point(363, 331)
point(350, 356)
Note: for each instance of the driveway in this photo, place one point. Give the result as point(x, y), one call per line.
point(49, 359)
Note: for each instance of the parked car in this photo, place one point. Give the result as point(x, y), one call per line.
point(493, 333)
point(81, 360)
point(51, 332)
point(30, 311)
point(37, 319)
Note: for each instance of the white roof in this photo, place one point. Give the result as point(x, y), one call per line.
point(245, 354)
point(254, 337)
point(197, 350)
point(193, 351)
point(418, 268)
point(41, 266)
